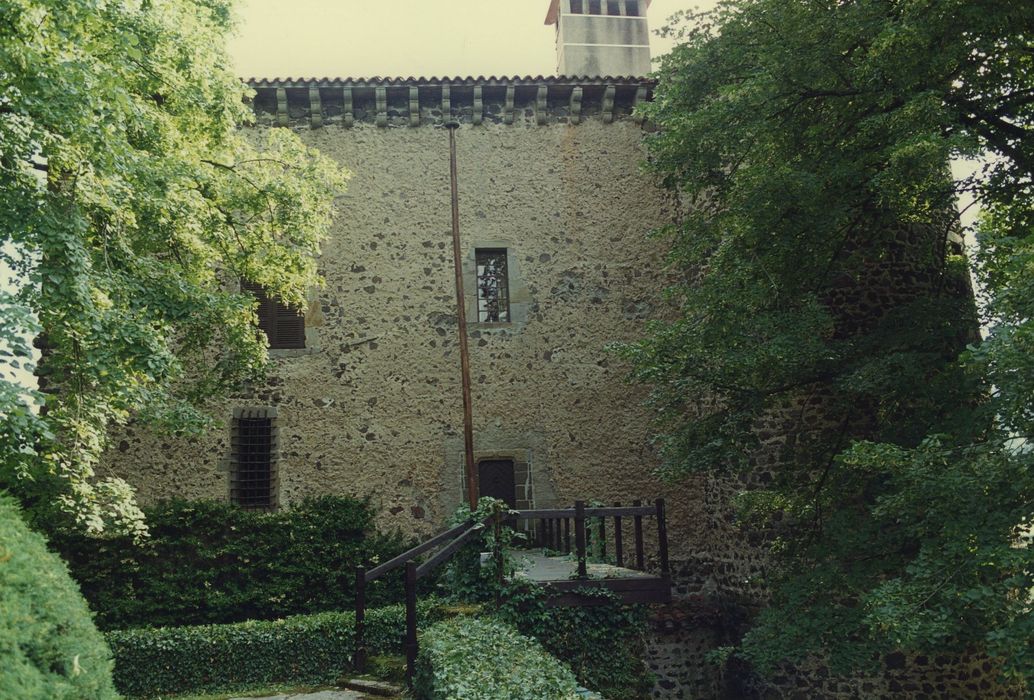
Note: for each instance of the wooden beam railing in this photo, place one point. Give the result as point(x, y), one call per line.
point(553, 531)
point(554, 526)
point(450, 542)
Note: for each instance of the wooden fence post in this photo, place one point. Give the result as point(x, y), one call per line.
point(640, 559)
point(662, 538)
point(359, 653)
point(497, 553)
point(579, 537)
point(411, 642)
point(619, 552)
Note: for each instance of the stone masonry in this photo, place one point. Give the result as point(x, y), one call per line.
point(371, 407)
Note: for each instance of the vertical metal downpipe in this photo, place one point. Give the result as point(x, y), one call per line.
point(461, 315)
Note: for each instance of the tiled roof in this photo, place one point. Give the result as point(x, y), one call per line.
point(457, 80)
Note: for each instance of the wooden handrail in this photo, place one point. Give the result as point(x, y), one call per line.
point(413, 553)
point(554, 532)
point(459, 535)
point(447, 551)
point(590, 512)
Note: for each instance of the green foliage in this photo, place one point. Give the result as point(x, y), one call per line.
point(805, 139)
point(130, 205)
point(49, 647)
point(480, 659)
point(603, 644)
point(312, 649)
point(463, 578)
point(209, 562)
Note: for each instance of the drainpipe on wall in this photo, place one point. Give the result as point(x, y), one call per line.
point(461, 316)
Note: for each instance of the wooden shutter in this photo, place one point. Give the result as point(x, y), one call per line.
point(290, 328)
point(283, 325)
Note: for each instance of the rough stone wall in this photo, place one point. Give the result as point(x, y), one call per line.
point(943, 677)
point(372, 406)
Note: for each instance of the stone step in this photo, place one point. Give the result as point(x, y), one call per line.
point(371, 687)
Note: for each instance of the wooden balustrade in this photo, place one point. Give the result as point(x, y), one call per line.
point(551, 529)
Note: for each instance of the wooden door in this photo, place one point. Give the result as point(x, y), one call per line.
point(496, 479)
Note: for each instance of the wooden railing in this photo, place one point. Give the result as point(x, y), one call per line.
point(552, 529)
point(450, 542)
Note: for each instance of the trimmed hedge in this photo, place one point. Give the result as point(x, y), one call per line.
point(603, 644)
point(208, 562)
point(49, 646)
point(306, 649)
point(468, 658)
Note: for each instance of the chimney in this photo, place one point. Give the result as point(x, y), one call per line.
point(601, 37)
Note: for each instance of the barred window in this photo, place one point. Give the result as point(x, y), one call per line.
point(253, 458)
point(493, 285)
point(613, 8)
point(284, 326)
point(576, 7)
point(631, 8)
point(594, 7)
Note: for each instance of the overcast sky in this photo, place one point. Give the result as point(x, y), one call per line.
point(401, 38)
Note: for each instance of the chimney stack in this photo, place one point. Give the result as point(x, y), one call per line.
point(601, 37)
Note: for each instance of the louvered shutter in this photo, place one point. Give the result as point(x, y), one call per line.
point(284, 326)
point(290, 328)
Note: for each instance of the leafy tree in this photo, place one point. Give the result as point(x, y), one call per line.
point(817, 299)
point(130, 206)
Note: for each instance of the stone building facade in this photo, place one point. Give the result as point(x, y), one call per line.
point(364, 394)
point(549, 176)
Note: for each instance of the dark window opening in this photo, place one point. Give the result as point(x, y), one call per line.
point(252, 479)
point(496, 479)
point(284, 326)
point(632, 8)
point(594, 7)
point(613, 8)
point(493, 285)
point(576, 7)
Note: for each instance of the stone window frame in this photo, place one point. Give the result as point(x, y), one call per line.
point(519, 296)
point(271, 414)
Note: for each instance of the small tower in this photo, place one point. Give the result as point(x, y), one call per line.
point(601, 37)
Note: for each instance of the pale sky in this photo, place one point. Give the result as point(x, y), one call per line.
point(402, 38)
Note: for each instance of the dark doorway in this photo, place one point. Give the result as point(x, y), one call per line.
point(496, 479)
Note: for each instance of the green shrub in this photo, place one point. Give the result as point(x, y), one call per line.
point(49, 646)
point(603, 644)
point(468, 658)
point(211, 563)
point(306, 649)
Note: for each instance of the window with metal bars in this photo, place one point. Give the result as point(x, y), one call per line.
point(283, 325)
point(253, 458)
point(493, 285)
